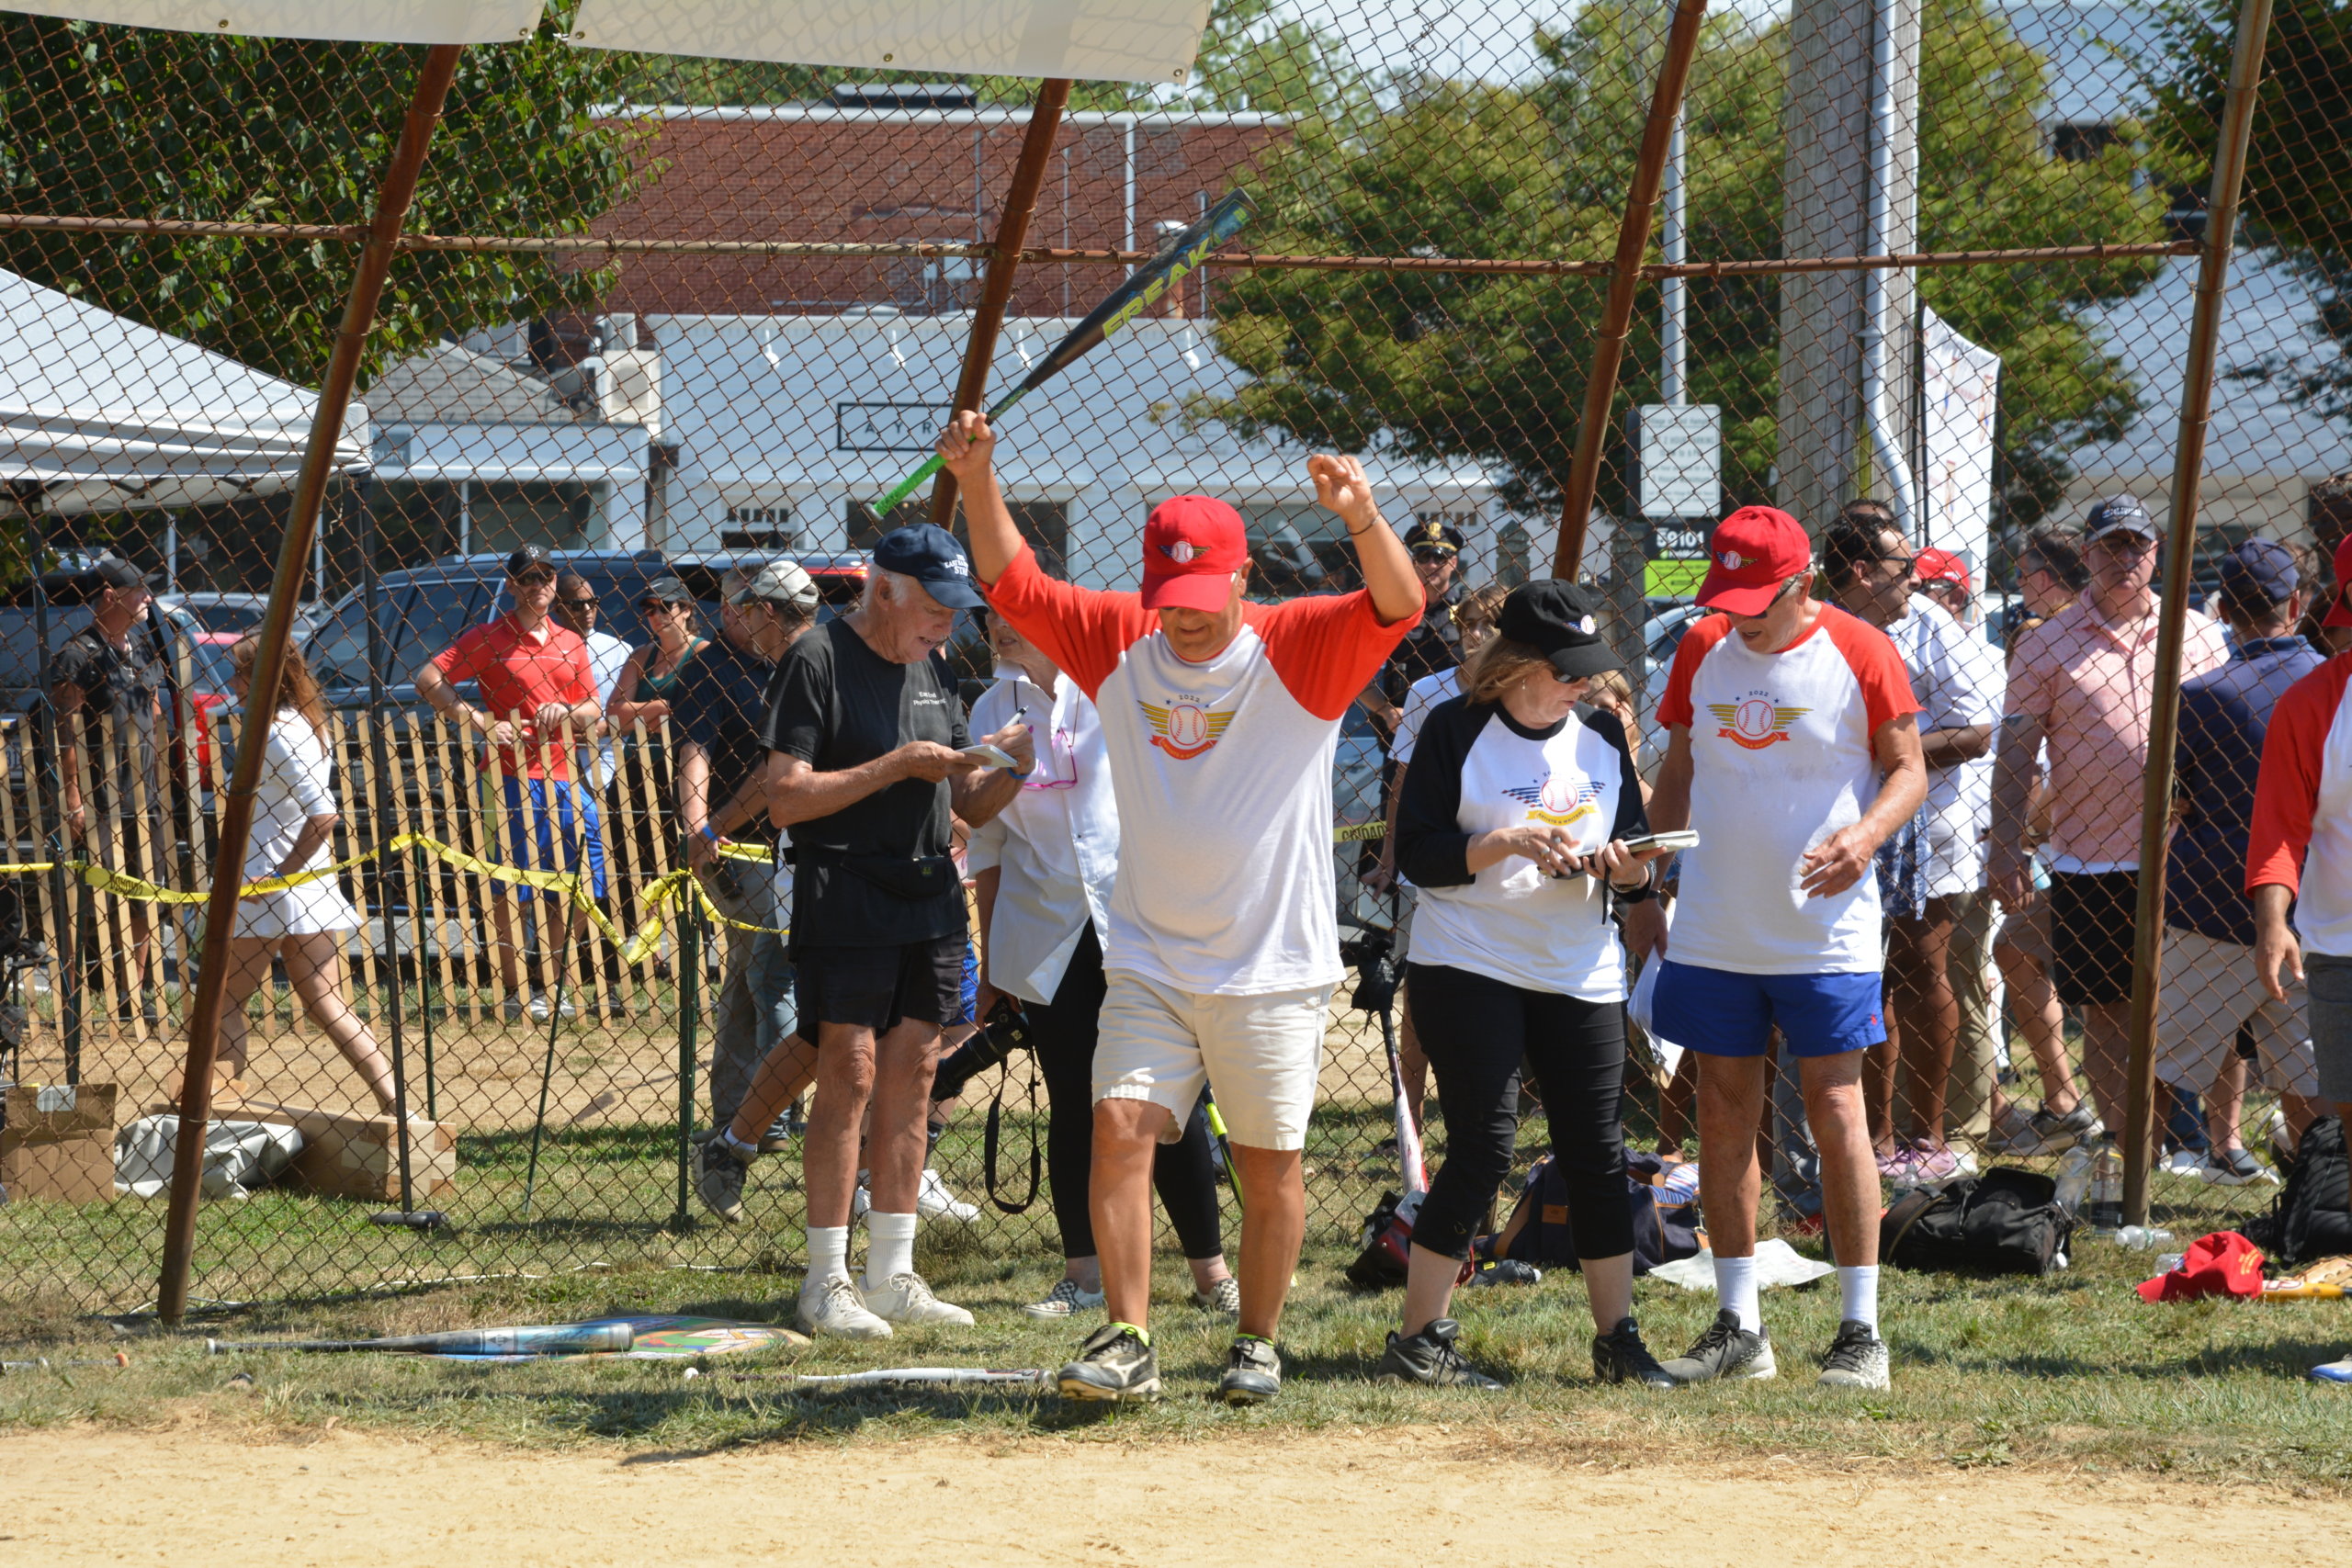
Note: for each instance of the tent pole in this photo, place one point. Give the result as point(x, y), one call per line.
point(2180, 548)
point(432, 81)
point(1624, 282)
point(1004, 260)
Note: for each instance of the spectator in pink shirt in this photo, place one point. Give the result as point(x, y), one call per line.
point(2081, 683)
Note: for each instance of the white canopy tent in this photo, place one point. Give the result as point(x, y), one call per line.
point(98, 413)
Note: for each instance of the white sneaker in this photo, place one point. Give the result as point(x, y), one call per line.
point(1067, 1299)
point(934, 1200)
point(835, 1308)
point(907, 1299)
point(538, 1008)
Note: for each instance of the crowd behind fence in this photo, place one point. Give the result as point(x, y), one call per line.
point(687, 315)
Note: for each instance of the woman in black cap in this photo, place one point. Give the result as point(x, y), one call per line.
point(1514, 821)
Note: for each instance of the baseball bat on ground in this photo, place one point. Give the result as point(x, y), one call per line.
point(542, 1340)
point(1145, 286)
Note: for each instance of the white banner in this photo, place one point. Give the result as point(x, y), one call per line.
point(1106, 40)
point(354, 21)
point(1962, 387)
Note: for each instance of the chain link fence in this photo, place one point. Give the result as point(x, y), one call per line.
point(677, 318)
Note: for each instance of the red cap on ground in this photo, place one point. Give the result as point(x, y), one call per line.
point(1942, 566)
point(2337, 615)
point(1753, 551)
point(1191, 547)
point(2221, 1264)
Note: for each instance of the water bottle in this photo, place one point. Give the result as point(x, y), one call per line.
point(2107, 1189)
point(2074, 1179)
point(2143, 1239)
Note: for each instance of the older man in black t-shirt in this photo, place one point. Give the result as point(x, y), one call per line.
point(866, 736)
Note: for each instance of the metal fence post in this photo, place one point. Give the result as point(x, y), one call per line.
point(433, 80)
point(2172, 609)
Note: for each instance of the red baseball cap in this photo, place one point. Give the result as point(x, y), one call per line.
point(2221, 1264)
point(1942, 566)
point(1752, 552)
point(2337, 615)
point(1191, 547)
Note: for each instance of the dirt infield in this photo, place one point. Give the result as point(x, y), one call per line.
point(192, 1497)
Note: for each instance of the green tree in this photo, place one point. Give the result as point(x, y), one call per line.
point(2297, 200)
point(133, 122)
point(1492, 367)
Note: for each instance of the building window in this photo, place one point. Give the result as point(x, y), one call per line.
point(756, 528)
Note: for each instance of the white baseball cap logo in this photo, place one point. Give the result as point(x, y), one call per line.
point(1181, 552)
point(1585, 625)
point(1733, 561)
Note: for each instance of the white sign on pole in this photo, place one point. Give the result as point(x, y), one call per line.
point(1678, 452)
point(1961, 402)
point(1103, 41)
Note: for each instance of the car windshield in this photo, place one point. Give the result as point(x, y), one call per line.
point(228, 618)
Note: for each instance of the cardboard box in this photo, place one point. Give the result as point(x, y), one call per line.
point(347, 1155)
point(58, 1110)
point(78, 1169)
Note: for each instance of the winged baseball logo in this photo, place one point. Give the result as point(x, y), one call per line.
point(1184, 730)
point(1181, 551)
point(1559, 800)
point(1754, 722)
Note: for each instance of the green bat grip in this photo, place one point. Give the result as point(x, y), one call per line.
point(930, 465)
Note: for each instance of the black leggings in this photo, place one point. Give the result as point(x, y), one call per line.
point(1184, 1173)
point(1477, 1030)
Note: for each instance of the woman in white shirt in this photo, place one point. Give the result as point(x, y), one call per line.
point(1513, 825)
point(1042, 870)
point(294, 821)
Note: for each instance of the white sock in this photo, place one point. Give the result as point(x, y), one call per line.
point(1736, 1288)
point(1857, 1296)
point(742, 1151)
point(889, 1247)
point(827, 1256)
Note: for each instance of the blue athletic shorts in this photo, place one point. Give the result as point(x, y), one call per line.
point(542, 814)
point(968, 1001)
point(1719, 1013)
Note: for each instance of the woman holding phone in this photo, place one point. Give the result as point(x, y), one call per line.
point(294, 822)
point(1513, 825)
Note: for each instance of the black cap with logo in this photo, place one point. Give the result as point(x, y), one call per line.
point(528, 559)
point(1561, 621)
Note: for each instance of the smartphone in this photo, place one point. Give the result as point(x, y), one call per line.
point(1682, 839)
point(993, 756)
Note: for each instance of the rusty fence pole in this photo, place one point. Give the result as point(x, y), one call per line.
point(1624, 283)
point(1004, 261)
point(2180, 542)
point(392, 201)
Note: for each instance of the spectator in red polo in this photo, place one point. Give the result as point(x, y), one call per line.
point(535, 683)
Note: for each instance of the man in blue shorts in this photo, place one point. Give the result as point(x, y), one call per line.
point(1794, 749)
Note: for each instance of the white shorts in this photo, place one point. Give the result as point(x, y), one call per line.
point(1260, 1056)
point(2211, 991)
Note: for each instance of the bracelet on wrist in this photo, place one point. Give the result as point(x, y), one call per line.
point(708, 832)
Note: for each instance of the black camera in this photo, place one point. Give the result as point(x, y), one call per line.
point(1373, 955)
point(1004, 1031)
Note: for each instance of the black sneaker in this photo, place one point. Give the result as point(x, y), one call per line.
point(718, 1180)
point(1725, 1350)
point(1113, 1366)
point(1618, 1356)
point(1857, 1359)
point(1254, 1373)
point(1429, 1358)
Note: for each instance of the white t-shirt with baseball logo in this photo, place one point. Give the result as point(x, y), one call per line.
point(1781, 759)
point(1223, 775)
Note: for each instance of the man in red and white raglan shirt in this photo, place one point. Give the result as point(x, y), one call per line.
point(2299, 866)
point(1221, 717)
point(1794, 749)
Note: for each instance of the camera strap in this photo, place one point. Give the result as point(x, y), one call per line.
point(989, 1139)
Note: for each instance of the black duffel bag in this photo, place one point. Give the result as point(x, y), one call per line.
point(2312, 1216)
point(2004, 1222)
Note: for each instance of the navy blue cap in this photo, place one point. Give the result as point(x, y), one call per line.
point(929, 555)
point(2260, 567)
point(2118, 514)
point(1434, 534)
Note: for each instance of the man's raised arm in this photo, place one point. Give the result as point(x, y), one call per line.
point(967, 448)
point(1341, 486)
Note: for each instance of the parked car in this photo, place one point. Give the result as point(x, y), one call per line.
point(225, 618)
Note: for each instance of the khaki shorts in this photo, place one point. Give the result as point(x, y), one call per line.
point(2211, 991)
point(2028, 930)
point(1260, 1056)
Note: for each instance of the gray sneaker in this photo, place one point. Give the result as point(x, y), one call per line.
point(1429, 1358)
point(1857, 1359)
point(1113, 1366)
point(1254, 1373)
point(1224, 1298)
point(718, 1180)
point(2059, 1133)
point(1725, 1350)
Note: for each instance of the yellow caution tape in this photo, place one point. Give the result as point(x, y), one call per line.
point(1360, 832)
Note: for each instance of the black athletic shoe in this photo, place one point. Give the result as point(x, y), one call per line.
point(1254, 1373)
point(1725, 1350)
point(1429, 1358)
point(1113, 1366)
point(1618, 1356)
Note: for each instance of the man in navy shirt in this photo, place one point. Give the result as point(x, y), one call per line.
point(2212, 993)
